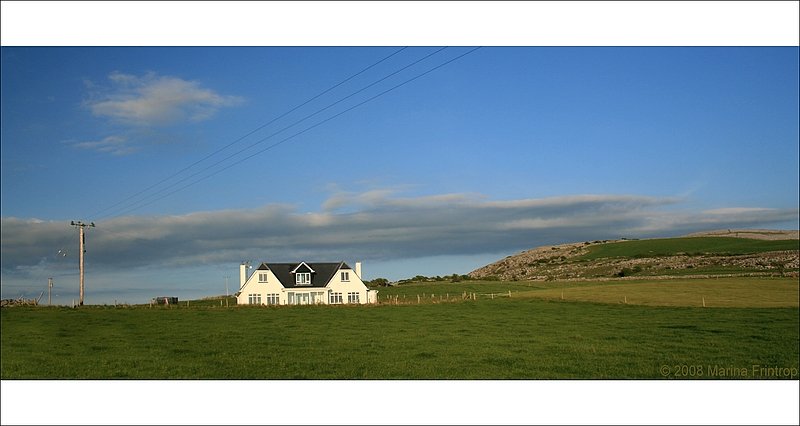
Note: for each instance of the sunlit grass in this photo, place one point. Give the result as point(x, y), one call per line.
point(501, 338)
point(711, 292)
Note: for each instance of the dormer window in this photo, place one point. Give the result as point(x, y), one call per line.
point(303, 278)
point(302, 274)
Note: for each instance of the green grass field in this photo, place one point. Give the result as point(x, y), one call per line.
point(690, 246)
point(521, 337)
point(713, 292)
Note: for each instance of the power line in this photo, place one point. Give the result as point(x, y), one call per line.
point(131, 206)
point(302, 131)
point(248, 134)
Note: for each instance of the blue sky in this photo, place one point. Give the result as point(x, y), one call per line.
point(500, 150)
point(418, 160)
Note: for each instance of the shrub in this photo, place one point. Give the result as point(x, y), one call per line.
point(625, 272)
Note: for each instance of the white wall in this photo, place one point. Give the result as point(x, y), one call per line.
point(252, 286)
point(354, 284)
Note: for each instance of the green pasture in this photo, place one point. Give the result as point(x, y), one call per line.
point(525, 336)
point(688, 246)
point(741, 292)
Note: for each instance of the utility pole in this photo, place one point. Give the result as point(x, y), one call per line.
point(81, 249)
point(226, 285)
point(49, 291)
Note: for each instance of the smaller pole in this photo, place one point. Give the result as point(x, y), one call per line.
point(49, 291)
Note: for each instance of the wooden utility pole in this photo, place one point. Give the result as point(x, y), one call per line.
point(49, 291)
point(81, 250)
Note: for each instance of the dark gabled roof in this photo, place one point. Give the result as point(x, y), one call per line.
point(323, 272)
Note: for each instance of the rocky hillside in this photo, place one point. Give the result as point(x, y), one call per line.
point(655, 258)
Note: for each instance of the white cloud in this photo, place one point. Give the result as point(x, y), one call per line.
point(153, 100)
point(380, 226)
point(736, 210)
point(116, 145)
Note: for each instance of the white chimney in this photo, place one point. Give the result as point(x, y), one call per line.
point(242, 275)
point(358, 270)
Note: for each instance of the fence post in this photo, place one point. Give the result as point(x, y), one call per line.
point(509, 294)
point(418, 299)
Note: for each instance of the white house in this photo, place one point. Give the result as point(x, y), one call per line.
point(303, 284)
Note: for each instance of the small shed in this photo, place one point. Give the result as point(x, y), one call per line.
point(164, 300)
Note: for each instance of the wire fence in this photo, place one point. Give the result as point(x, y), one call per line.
point(433, 298)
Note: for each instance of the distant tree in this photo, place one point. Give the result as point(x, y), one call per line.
point(455, 278)
point(378, 282)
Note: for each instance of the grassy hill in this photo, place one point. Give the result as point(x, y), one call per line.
point(698, 246)
point(663, 257)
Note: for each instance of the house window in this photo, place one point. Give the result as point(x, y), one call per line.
point(352, 298)
point(262, 277)
point(336, 298)
point(303, 278)
point(273, 299)
point(345, 276)
point(254, 299)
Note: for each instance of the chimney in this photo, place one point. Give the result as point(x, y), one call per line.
point(358, 270)
point(242, 275)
